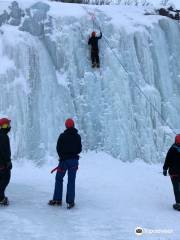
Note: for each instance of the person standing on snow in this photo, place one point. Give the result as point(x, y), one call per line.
point(93, 41)
point(172, 164)
point(5, 159)
point(68, 148)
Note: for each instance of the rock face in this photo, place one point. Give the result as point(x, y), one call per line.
point(46, 77)
point(13, 17)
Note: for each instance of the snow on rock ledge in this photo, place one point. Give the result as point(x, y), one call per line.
point(46, 77)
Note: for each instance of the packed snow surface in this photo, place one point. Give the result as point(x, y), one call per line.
point(112, 199)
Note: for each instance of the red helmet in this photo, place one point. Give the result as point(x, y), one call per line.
point(4, 121)
point(177, 139)
point(93, 34)
point(69, 123)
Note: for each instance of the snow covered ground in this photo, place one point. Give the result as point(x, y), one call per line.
point(112, 197)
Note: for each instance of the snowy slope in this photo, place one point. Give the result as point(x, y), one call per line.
point(112, 199)
point(46, 77)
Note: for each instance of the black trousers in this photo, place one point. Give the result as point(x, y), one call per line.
point(176, 187)
point(95, 56)
point(5, 176)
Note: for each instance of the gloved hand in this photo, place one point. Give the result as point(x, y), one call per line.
point(9, 165)
point(165, 172)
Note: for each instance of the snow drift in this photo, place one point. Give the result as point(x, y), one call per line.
point(46, 76)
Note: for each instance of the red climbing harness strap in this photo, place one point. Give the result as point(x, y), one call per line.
point(55, 169)
point(58, 169)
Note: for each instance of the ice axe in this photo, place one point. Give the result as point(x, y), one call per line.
point(55, 169)
point(168, 175)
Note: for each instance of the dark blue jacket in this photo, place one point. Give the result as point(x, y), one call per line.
point(69, 144)
point(93, 41)
point(5, 150)
point(172, 161)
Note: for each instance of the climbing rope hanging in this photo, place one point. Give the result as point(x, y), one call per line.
point(125, 70)
point(93, 19)
point(92, 15)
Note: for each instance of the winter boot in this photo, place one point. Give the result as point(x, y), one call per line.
point(93, 65)
point(70, 205)
point(55, 203)
point(4, 202)
point(98, 65)
point(176, 206)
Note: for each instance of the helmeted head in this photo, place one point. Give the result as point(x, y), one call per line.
point(5, 124)
point(69, 123)
point(177, 139)
point(93, 34)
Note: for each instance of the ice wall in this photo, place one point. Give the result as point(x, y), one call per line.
point(46, 76)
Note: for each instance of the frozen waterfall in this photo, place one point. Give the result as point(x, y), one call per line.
point(46, 76)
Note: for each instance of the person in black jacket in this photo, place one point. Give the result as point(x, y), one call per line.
point(172, 165)
point(93, 41)
point(5, 159)
point(68, 148)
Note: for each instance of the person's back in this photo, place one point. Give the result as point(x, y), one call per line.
point(68, 148)
point(93, 41)
point(69, 144)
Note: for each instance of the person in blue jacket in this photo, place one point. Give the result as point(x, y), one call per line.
point(68, 148)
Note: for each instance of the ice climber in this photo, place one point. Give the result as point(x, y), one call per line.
point(5, 159)
point(172, 164)
point(68, 148)
point(93, 41)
